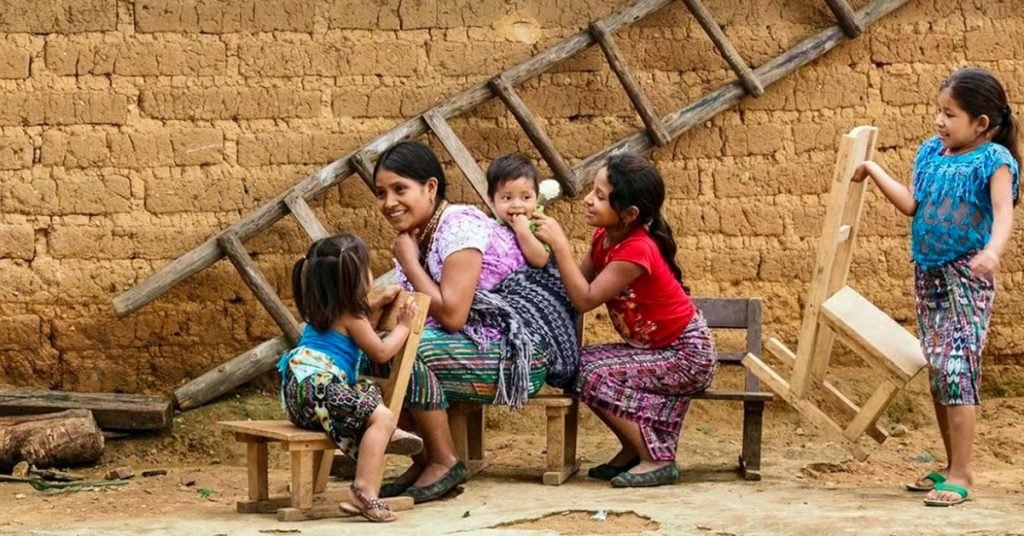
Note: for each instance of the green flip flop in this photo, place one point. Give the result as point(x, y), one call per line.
point(945, 486)
point(936, 478)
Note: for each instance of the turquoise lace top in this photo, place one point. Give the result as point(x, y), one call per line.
point(954, 205)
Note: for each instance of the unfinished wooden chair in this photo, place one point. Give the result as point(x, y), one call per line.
point(312, 452)
point(834, 311)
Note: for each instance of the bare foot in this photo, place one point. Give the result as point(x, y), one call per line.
point(951, 496)
point(624, 457)
point(432, 473)
point(648, 466)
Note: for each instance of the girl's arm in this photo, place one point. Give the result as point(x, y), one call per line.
point(460, 274)
point(1001, 187)
point(533, 249)
point(585, 294)
point(900, 196)
point(366, 338)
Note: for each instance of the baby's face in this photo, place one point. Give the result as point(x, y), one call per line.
point(516, 196)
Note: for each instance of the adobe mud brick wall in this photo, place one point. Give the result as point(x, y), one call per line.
point(130, 131)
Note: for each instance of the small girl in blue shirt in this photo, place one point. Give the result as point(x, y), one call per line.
point(964, 189)
point(318, 377)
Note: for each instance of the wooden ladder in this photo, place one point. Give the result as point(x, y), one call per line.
point(659, 130)
point(834, 311)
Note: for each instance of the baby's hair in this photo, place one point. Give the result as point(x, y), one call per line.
point(508, 168)
point(637, 183)
point(331, 280)
point(980, 93)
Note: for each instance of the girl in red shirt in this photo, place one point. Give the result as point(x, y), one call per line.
point(641, 389)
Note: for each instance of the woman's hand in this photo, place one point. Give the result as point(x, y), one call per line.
point(985, 262)
point(549, 231)
point(406, 250)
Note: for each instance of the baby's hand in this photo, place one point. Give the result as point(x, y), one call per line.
point(985, 262)
point(383, 296)
point(407, 312)
point(862, 172)
point(521, 223)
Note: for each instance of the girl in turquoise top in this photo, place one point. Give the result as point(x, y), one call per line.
point(318, 377)
point(964, 189)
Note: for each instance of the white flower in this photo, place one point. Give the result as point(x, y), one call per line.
point(548, 190)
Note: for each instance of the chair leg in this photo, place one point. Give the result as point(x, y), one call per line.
point(302, 479)
point(256, 458)
point(322, 461)
point(457, 422)
point(561, 444)
point(476, 432)
point(750, 458)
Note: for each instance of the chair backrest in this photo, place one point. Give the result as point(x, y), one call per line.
point(397, 382)
point(736, 313)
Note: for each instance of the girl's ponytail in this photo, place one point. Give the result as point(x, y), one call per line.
point(297, 286)
point(661, 232)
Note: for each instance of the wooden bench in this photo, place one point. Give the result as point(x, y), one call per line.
point(312, 452)
point(467, 420)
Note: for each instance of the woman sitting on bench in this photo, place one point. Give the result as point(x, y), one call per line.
point(456, 254)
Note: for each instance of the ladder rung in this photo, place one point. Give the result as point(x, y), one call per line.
point(362, 166)
point(846, 17)
point(460, 154)
point(252, 276)
point(537, 135)
point(309, 222)
point(640, 101)
point(747, 77)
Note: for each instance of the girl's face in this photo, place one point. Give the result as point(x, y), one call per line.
point(957, 130)
point(599, 211)
point(516, 196)
point(407, 204)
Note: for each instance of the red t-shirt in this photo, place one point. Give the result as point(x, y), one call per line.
point(654, 310)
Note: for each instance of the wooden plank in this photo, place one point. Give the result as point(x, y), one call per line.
point(361, 164)
point(849, 407)
point(555, 439)
point(302, 479)
point(753, 342)
point(277, 502)
point(707, 21)
point(563, 173)
point(208, 252)
point(397, 384)
point(229, 375)
point(304, 215)
point(331, 510)
point(111, 411)
point(259, 285)
point(872, 410)
point(723, 312)
point(883, 338)
point(636, 95)
point(278, 430)
point(552, 400)
point(322, 470)
point(759, 396)
point(846, 17)
point(256, 461)
point(467, 164)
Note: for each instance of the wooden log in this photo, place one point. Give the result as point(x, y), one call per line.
point(750, 82)
point(260, 286)
point(846, 17)
point(467, 164)
point(304, 215)
point(636, 95)
point(57, 439)
point(208, 252)
point(224, 378)
point(110, 410)
point(563, 173)
point(361, 165)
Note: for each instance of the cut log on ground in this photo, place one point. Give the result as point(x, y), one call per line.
point(55, 439)
point(112, 411)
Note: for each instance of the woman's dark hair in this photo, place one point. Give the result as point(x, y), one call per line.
point(415, 161)
point(332, 279)
point(636, 183)
point(509, 168)
point(980, 93)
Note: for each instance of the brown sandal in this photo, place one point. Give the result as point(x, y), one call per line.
point(374, 510)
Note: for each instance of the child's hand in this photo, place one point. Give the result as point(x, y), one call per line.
point(520, 223)
point(985, 262)
point(549, 231)
point(406, 250)
point(407, 312)
point(862, 171)
point(383, 296)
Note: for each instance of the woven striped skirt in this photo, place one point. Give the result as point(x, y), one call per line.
point(650, 387)
point(449, 368)
point(954, 307)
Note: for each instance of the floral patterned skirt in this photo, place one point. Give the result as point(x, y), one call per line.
point(324, 402)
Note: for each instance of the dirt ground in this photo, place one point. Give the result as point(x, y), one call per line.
point(810, 483)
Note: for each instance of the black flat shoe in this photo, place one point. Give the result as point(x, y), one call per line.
point(661, 476)
point(393, 489)
point(607, 471)
point(455, 476)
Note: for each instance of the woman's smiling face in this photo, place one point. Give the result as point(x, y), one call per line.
point(407, 204)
